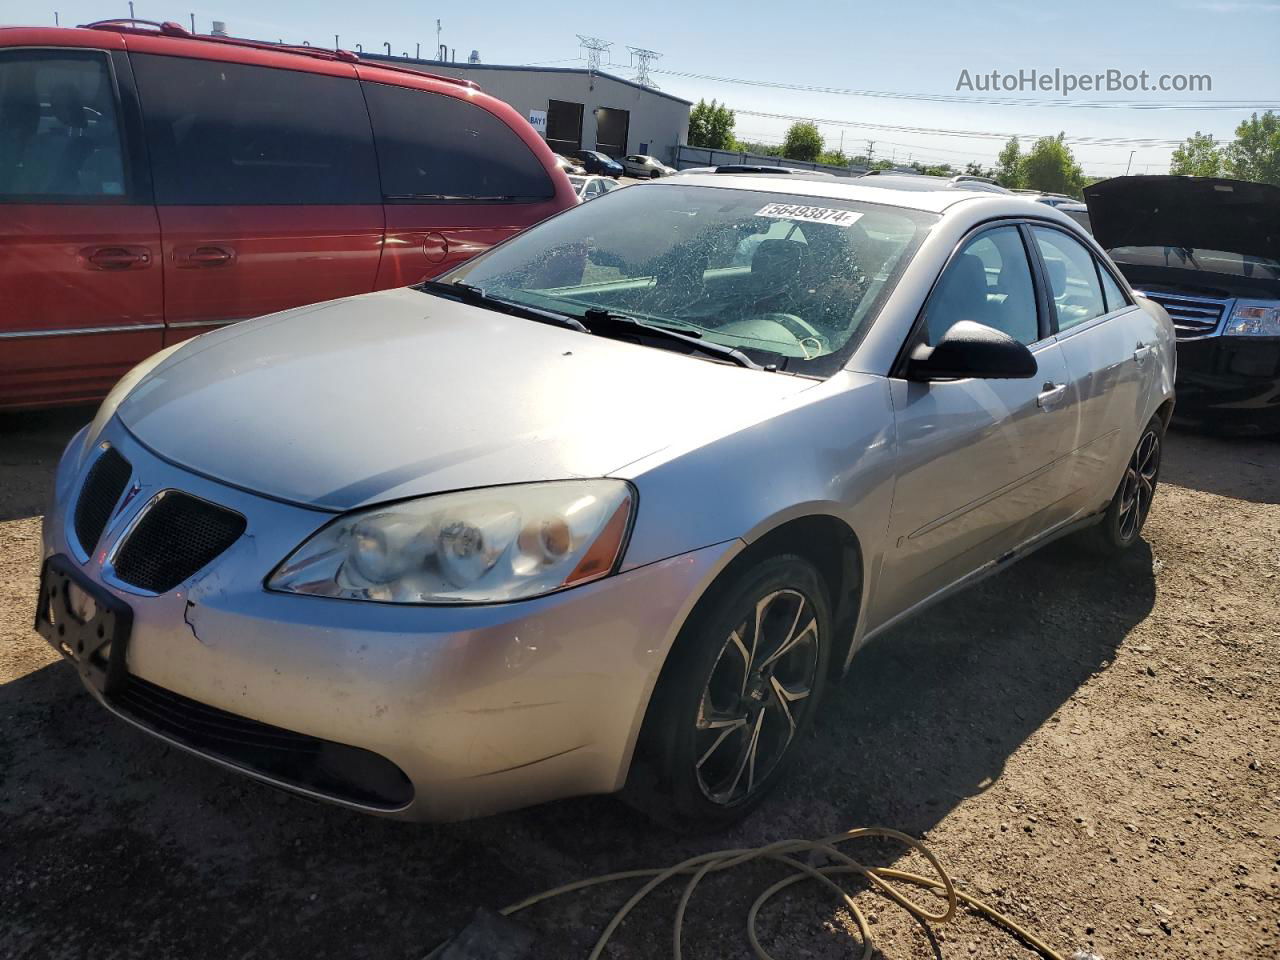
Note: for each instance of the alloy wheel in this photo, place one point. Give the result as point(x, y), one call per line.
point(1139, 485)
point(757, 693)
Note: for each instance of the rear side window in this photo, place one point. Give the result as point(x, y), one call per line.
point(434, 148)
point(232, 134)
point(59, 133)
point(1073, 278)
point(1116, 300)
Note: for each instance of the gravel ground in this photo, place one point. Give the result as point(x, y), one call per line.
point(1093, 748)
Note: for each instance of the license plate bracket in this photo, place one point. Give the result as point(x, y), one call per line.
point(88, 625)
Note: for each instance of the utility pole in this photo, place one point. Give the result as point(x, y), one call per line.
point(438, 38)
point(55, 19)
point(641, 59)
point(871, 152)
point(1130, 163)
point(130, 9)
point(193, 23)
point(594, 47)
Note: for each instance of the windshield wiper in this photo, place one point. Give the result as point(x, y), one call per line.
point(606, 322)
point(476, 297)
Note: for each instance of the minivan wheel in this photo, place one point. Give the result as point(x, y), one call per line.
point(654, 175)
point(737, 695)
point(1122, 524)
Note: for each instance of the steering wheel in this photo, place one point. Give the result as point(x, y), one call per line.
point(811, 340)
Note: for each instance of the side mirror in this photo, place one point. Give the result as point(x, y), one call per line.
point(972, 350)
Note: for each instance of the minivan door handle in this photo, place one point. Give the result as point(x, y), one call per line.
point(115, 258)
point(204, 255)
point(1049, 394)
point(1141, 352)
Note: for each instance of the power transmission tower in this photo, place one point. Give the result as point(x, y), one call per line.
point(594, 47)
point(641, 60)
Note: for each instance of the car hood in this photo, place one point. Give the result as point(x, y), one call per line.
point(1205, 213)
point(401, 393)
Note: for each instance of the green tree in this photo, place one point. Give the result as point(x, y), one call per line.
point(1009, 165)
point(974, 169)
point(1199, 156)
point(803, 142)
point(835, 158)
point(711, 125)
point(1051, 168)
point(1255, 152)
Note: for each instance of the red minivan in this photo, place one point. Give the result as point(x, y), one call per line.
point(154, 184)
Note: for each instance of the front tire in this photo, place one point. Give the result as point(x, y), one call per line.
point(735, 698)
point(1121, 525)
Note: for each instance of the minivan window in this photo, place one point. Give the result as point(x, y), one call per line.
point(433, 148)
point(59, 133)
point(232, 134)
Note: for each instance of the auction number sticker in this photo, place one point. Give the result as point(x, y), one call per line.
point(809, 214)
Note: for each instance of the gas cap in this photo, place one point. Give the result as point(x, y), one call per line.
point(435, 246)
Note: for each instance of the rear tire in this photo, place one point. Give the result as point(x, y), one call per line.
point(654, 175)
point(1121, 525)
point(736, 697)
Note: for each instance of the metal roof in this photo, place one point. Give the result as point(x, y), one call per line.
point(437, 64)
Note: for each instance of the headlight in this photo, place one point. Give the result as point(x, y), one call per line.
point(479, 546)
point(1254, 318)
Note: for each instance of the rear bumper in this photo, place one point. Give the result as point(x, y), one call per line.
point(1230, 382)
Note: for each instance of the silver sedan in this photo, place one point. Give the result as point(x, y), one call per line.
point(591, 515)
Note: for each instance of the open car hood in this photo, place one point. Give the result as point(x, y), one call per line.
point(1204, 213)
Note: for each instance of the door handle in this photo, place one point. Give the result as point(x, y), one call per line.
point(205, 255)
point(1141, 352)
point(115, 258)
point(1049, 394)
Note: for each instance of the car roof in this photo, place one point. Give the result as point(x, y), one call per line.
point(303, 58)
point(930, 194)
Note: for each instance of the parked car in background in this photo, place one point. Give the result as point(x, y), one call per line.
point(593, 161)
point(639, 165)
point(910, 180)
point(154, 185)
point(588, 188)
point(1208, 251)
point(570, 167)
point(1052, 199)
point(1078, 212)
point(404, 552)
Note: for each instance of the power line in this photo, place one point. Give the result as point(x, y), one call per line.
point(965, 134)
point(1206, 104)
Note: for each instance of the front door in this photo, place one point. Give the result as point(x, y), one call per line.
point(266, 185)
point(982, 464)
point(80, 283)
point(455, 180)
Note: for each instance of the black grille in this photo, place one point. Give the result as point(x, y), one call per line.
point(1192, 317)
point(328, 768)
point(176, 536)
point(101, 492)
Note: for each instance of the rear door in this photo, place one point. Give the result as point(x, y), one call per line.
point(981, 462)
point(1108, 345)
point(456, 179)
point(266, 184)
point(80, 284)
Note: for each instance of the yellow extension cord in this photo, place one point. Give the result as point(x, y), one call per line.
point(784, 852)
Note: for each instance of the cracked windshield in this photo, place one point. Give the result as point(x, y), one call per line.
point(791, 281)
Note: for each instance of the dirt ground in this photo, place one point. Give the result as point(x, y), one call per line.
point(1093, 748)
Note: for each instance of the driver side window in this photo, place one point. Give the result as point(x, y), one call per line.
point(987, 282)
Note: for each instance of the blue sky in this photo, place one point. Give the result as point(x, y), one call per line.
point(885, 46)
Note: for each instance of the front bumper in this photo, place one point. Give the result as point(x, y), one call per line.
point(1232, 382)
point(483, 708)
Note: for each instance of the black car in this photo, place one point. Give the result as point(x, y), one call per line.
point(593, 161)
point(1208, 251)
